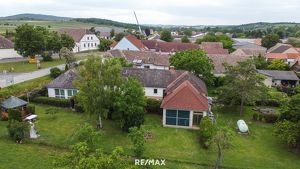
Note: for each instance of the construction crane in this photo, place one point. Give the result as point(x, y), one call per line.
point(137, 21)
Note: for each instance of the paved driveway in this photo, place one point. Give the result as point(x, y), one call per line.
point(15, 78)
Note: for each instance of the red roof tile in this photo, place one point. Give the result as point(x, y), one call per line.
point(185, 97)
point(276, 56)
point(136, 42)
point(168, 47)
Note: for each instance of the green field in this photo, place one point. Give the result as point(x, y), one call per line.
point(180, 147)
point(54, 25)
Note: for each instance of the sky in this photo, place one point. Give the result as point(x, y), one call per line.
point(166, 12)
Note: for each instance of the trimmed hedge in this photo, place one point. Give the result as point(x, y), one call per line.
point(52, 101)
point(153, 106)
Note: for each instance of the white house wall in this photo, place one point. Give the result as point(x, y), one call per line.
point(125, 44)
point(88, 42)
point(151, 66)
point(9, 53)
point(149, 92)
point(51, 92)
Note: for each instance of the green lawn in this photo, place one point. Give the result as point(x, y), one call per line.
point(21, 88)
point(28, 67)
point(180, 147)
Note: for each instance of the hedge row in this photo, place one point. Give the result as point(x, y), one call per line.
point(153, 106)
point(269, 118)
point(51, 101)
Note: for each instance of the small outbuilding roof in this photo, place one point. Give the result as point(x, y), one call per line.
point(279, 75)
point(13, 102)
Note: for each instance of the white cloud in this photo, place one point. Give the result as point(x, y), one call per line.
point(188, 12)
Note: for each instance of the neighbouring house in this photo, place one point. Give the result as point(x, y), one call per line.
point(13, 103)
point(214, 48)
point(62, 86)
point(7, 49)
point(84, 39)
point(129, 42)
point(247, 52)
point(296, 66)
point(142, 59)
point(242, 42)
point(105, 35)
point(280, 78)
point(282, 48)
point(184, 96)
point(289, 58)
point(219, 62)
point(168, 47)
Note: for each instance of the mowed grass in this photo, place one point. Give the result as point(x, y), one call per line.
point(22, 88)
point(24, 66)
point(180, 147)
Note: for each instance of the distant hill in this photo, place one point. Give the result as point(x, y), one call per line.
point(29, 16)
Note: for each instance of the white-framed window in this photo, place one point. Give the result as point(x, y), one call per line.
point(88, 45)
point(147, 67)
point(155, 91)
point(59, 93)
point(91, 44)
point(91, 38)
point(177, 117)
point(95, 44)
point(71, 92)
point(84, 45)
point(88, 38)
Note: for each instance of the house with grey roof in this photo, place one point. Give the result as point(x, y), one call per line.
point(63, 86)
point(279, 78)
point(7, 49)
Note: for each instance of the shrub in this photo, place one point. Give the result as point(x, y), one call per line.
point(207, 131)
point(87, 133)
point(47, 56)
point(255, 116)
point(137, 138)
point(14, 115)
point(55, 72)
point(18, 131)
point(260, 117)
point(30, 109)
point(153, 106)
point(52, 101)
point(271, 118)
point(78, 108)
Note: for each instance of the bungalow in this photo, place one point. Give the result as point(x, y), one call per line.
point(279, 78)
point(62, 86)
point(288, 58)
point(130, 42)
point(7, 49)
point(184, 96)
point(84, 39)
point(142, 59)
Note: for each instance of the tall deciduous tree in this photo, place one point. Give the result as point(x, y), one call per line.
point(67, 41)
point(196, 62)
point(29, 40)
point(165, 35)
point(243, 85)
point(270, 40)
point(98, 82)
point(131, 103)
point(104, 44)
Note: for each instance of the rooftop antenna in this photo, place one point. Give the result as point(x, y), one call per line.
point(137, 21)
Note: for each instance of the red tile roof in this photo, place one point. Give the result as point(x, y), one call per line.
point(168, 47)
point(136, 42)
point(215, 51)
point(185, 97)
point(282, 56)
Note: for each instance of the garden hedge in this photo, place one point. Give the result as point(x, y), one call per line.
point(52, 101)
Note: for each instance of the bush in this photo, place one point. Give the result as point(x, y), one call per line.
point(55, 72)
point(47, 56)
point(260, 117)
point(137, 138)
point(255, 116)
point(14, 115)
point(153, 106)
point(78, 108)
point(30, 109)
point(271, 118)
point(18, 131)
point(207, 131)
point(52, 101)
